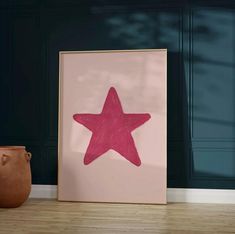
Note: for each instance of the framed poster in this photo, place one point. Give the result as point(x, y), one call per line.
point(112, 126)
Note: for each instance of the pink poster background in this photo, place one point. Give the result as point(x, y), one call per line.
point(139, 78)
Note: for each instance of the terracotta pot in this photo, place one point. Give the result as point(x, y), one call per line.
point(15, 176)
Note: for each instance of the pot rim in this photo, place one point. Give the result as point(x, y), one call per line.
point(11, 147)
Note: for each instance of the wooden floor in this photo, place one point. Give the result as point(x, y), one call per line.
point(50, 216)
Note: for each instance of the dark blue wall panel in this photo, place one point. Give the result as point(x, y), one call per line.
point(200, 38)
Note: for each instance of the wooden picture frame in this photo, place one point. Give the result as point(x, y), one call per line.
point(113, 126)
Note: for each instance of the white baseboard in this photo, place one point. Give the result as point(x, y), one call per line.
point(173, 194)
point(43, 191)
point(201, 195)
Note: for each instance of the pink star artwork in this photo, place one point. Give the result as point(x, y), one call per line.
point(111, 130)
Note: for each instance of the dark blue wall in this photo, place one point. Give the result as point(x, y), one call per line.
point(200, 38)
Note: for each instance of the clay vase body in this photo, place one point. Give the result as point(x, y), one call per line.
point(15, 176)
